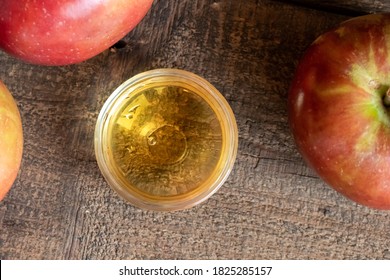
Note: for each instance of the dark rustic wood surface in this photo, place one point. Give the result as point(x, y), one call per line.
point(350, 7)
point(272, 206)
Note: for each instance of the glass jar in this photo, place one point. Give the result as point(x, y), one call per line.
point(166, 140)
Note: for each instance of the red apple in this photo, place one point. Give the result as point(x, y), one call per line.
point(338, 110)
point(68, 31)
point(11, 140)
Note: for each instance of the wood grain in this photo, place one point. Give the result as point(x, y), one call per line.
point(351, 8)
point(272, 206)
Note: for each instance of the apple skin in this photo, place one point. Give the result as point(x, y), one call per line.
point(11, 140)
point(337, 113)
point(65, 32)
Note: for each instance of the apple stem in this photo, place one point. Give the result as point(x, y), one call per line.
point(386, 98)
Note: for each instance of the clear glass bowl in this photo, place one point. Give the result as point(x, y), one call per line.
point(166, 140)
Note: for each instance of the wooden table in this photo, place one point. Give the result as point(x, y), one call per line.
point(271, 207)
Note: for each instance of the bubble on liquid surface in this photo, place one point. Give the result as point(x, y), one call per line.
point(167, 145)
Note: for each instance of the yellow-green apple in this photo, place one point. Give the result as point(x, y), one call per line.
point(339, 109)
point(11, 140)
point(68, 31)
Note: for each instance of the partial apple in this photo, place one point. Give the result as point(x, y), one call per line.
point(339, 109)
point(65, 32)
point(11, 140)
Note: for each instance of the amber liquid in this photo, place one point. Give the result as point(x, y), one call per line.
point(166, 141)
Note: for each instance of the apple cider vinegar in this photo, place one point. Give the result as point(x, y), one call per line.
point(166, 142)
